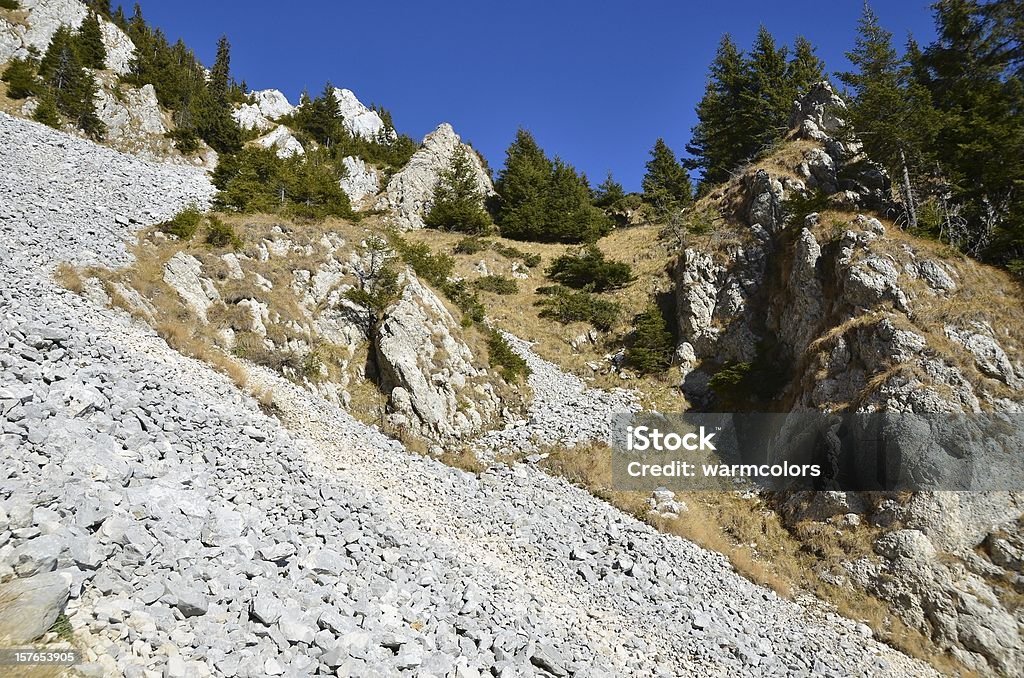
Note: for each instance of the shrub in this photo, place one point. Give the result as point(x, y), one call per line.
point(509, 252)
point(184, 224)
point(588, 269)
point(731, 384)
point(498, 284)
point(185, 140)
point(434, 268)
point(467, 300)
point(221, 234)
point(567, 306)
point(798, 207)
point(20, 76)
point(9, 4)
point(46, 112)
point(472, 245)
point(501, 355)
point(652, 342)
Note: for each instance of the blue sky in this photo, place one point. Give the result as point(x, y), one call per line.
point(596, 82)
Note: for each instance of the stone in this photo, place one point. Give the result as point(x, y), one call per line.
point(29, 606)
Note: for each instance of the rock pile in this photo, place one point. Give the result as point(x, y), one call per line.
point(194, 536)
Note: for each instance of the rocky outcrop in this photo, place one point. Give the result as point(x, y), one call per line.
point(841, 317)
point(43, 19)
point(267, 105)
point(434, 383)
point(409, 193)
point(284, 141)
point(359, 120)
point(361, 181)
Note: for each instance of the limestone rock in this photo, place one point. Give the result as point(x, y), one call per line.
point(429, 370)
point(409, 193)
point(360, 181)
point(357, 118)
point(284, 141)
point(29, 606)
point(184, 273)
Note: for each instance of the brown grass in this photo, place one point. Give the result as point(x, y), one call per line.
point(760, 547)
point(67, 276)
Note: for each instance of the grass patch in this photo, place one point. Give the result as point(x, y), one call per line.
point(496, 284)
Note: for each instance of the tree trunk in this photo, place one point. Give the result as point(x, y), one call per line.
point(908, 193)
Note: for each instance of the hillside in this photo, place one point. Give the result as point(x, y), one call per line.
point(326, 402)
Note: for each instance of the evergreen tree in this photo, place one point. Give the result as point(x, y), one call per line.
point(666, 184)
point(46, 111)
point(766, 101)
point(975, 83)
point(804, 68)
point(521, 185)
point(894, 114)
point(89, 43)
point(458, 202)
point(73, 88)
point(653, 344)
point(543, 200)
point(718, 139)
point(608, 192)
point(20, 76)
point(212, 109)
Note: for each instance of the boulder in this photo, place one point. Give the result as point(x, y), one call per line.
point(283, 140)
point(428, 369)
point(409, 193)
point(184, 273)
point(30, 606)
point(360, 181)
point(358, 119)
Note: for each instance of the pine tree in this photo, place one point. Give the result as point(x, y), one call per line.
point(766, 101)
point(569, 215)
point(46, 111)
point(608, 192)
point(458, 202)
point(652, 342)
point(804, 68)
point(73, 88)
point(20, 76)
point(89, 43)
point(212, 108)
point(666, 184)
point(892, 113)
point(718, 144)
point(521, 185)
point(973, 75)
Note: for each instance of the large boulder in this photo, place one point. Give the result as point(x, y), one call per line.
point(427, 369)
point(267, 105)
point(30, 606)
point(409, 193)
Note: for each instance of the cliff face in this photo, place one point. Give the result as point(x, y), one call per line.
point(833, 310)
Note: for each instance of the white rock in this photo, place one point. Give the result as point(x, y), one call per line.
point(284, 141)
point(357, 118)
point(360, 181)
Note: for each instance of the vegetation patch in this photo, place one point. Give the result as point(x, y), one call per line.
point(569, 306)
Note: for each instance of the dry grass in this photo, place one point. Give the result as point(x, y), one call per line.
point(67, 276)
point(760, 547)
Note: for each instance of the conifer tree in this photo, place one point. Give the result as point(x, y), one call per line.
point(72, 87)
point(893, 113)
point(608, 192)
point(521, 185)
point(212, 108)
point(458, 202)
point(717, 143)
point(89, 43)
point(652, 342)
point(804, 68)
point(766, 101)
point(20, 76)
point(666, 184)
point(46, 111)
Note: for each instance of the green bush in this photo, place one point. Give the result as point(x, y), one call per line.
point(20, 76)
point(9, 4)
point(653, 344)
point(468, 301)
point(732, 385)
point(472, 245)
point(186, 140)
point(798, 207)
point(498, 284)
point(567, 306)
point(501, 355)
point(530, 260)
point(221, 234)
point(184, 224)
point(588, 269)
point(46, 112)
point(434, 268)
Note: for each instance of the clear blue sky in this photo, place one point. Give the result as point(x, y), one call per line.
point(596, 82)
